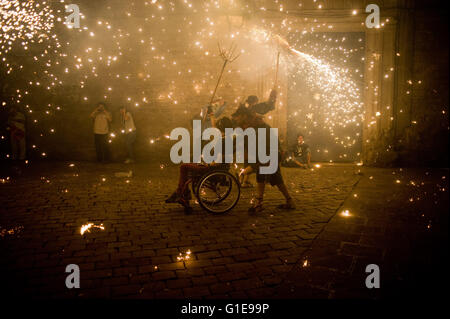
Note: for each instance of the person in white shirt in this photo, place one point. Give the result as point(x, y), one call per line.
point(130, 133)
point(102, 118)
point(16, 126)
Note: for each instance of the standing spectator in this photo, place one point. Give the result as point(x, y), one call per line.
point(182, 194)
point(16, 125)
point(130, 133)
point(102, 118)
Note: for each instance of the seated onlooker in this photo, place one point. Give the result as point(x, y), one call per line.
point(182, 194)
point(300, 153)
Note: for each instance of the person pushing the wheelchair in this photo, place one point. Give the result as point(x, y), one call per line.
point(246, 118)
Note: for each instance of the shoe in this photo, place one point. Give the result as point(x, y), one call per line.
point(287, 206)
point(187, 194)
point(188, 210)
point(247, 185)
point(184, 202)
point(174, 198)
point(256, 208)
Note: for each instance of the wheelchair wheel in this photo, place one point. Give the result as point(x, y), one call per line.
point(218, 192)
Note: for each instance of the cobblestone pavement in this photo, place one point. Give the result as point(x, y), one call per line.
point(396, 219)
point(133, 253)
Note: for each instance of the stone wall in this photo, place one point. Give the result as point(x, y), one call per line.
point(425, 140)
point(412, 128)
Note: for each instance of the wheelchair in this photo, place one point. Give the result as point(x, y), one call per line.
point(217, 190)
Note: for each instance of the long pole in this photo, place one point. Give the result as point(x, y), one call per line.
point(218, 81)
point(276, 73)
point(276, 85)
point(217, 85)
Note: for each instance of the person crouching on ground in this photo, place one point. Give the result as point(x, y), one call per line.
point(245, 119)
point(130, 133)
point(300, 153)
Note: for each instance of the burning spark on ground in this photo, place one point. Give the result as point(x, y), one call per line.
point(184, 257)
point(8, 232)
point(345, 213)
point(87, 227)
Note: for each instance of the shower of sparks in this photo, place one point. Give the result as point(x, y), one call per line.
point(121, 55)
point(341, 94)
point(337, 97)
point(25, 21)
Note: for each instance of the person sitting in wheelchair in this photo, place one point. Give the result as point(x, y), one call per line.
point(182, 194)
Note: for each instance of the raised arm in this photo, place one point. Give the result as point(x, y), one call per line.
point(220, 109)
point(266, 107)
point(213, 120)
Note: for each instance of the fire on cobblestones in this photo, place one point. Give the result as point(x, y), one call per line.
point(184, 257)
point(88, 227)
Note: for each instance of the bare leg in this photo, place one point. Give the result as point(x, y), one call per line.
point(257, 205)
point(289, 202)
point(182, 191)
point(245, 174)
point(283, 189)
point(298, 163)
point(260, 190)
